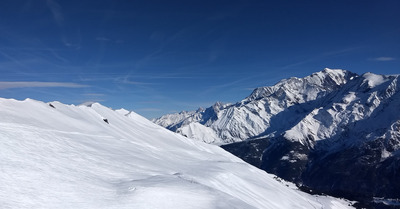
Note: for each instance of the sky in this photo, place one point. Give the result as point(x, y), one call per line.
point(161, 57)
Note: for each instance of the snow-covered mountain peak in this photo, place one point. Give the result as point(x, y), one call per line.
point(339, 76)
point(123, 111)
point(200, 109)
point(326, 79)
point(218, 105)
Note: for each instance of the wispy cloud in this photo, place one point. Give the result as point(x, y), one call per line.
point(34, 84)
point(321, 57)
point(383, 59)
point(149, 109)
point(94, 95)
point(59, 18)
point(102, 39)
point(55, 9)
point(126, 80)
point(150, 102)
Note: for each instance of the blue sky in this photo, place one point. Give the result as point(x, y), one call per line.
point(159, 57)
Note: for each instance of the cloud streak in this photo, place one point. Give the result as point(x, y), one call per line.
point(149, 109)
point(102, 39)
point(35, 84)
point(384, 59)
point(94, 95)
point(320, 57)
point(55, 9)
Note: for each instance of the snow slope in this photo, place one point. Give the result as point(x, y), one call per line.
point(67, 156)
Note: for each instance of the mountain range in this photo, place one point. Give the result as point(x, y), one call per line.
point(260, 113)
point(333, 132)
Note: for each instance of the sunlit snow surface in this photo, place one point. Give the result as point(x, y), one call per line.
point(68, 157)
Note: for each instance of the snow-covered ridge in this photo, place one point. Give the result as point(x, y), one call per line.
point(64, 156)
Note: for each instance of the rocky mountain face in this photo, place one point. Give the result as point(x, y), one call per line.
point(333, 132)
